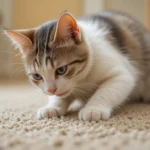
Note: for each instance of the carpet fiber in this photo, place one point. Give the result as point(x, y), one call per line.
point(127, 129)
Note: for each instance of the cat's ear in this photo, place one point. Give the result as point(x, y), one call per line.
point(22, 39)
point(66, 29)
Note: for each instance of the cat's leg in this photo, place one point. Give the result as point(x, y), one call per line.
point(109, 95)
point(56, 107)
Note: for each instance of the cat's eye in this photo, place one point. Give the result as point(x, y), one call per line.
point(61, 70)
point(37, 76)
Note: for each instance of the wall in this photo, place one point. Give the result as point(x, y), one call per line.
point(30, 13)
point(136, 8)
point(147, 10)
point(5, 22)
point(6, 10)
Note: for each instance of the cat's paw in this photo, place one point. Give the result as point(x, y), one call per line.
point(49, 112)
point(94, 113)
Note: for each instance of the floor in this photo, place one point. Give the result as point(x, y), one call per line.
point(127, 129)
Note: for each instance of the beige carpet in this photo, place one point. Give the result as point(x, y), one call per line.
point(127, 129)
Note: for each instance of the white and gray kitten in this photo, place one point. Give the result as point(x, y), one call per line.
point(102, 60)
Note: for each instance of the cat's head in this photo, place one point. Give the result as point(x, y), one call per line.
point(55, 54)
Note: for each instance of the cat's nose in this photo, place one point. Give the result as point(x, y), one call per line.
point(52, 91)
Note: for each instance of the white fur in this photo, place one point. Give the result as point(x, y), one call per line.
point(107, 66)
point(55, 108)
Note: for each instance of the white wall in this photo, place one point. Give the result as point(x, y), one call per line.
point(93, 6)
point(134, 7)
point(5, 46)
point(6, 8)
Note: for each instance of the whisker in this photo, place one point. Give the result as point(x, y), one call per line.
point(84, 90)
point(80, 93)
point(35, 93)
point(87, 86)
point(18, 70)
point(21, 72)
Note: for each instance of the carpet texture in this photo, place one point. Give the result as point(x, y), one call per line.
point(127, 129)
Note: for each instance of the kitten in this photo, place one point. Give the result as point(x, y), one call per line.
point(102, 60)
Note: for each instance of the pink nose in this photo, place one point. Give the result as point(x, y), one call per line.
point(52, 91)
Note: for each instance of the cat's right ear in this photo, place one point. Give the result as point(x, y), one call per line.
point(22, 39)
point(67, 29)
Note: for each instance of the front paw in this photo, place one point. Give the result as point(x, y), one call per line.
point(94, 113)
point(49, 112)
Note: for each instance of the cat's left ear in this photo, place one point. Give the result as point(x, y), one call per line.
point(67, 29)
point(22, 39)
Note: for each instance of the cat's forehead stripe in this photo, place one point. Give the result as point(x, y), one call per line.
point(48, 61)
point(35, 65)
point(43, 38)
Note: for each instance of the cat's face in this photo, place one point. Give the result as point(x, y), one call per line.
point(55, 55)
point(59, 71)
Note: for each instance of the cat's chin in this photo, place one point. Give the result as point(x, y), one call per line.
point(65, 94)
point(62, 95)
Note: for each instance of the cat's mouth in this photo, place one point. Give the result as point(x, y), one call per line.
point(62, 94)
